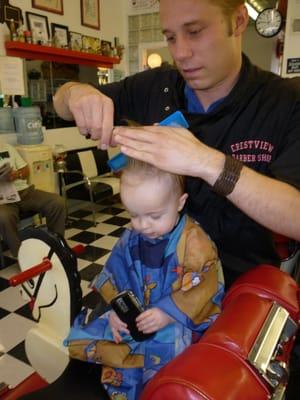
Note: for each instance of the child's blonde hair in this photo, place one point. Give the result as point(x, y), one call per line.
point(143, 170)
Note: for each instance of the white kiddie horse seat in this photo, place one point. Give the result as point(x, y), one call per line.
point(51, 283)
point(55, 297)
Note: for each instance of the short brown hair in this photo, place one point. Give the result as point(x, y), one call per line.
point(228, 6)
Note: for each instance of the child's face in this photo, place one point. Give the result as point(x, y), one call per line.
point(153, 205)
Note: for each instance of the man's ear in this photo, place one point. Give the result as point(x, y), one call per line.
point(182, 201)
point(241, 19)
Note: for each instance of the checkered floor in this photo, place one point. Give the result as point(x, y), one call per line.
point(15, 318)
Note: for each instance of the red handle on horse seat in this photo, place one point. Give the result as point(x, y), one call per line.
point(78, 249)
point(30, 273)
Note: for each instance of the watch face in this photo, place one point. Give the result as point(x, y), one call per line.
point(269, 22)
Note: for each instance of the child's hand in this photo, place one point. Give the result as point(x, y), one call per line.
point(117, 326)
point(152, 320)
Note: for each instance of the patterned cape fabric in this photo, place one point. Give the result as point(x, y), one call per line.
point(177, 273)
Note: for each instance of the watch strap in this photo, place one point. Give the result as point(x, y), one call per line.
point(228, 178)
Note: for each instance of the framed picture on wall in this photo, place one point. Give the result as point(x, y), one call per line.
point(106, 47)
point(60, 35)
point(38, 25)
point(90, 13)
point(54, 6)
point(8, 12)
point(75, 41)
point(91, 44)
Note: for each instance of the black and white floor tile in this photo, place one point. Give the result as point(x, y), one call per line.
point(15, 316)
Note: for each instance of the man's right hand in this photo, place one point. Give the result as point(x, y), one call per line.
point(5, 172)
point(92, 111)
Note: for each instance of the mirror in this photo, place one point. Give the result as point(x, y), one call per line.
point(45, 77)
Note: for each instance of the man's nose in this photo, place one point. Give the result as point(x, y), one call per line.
point(181, 49)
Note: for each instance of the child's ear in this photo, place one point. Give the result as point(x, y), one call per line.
point(182, 201)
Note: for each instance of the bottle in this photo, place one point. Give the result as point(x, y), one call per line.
point(59, 157)
point(28, 122)
point(20, 32)
point(6, 119)
point(28, 37)
point(12, 28)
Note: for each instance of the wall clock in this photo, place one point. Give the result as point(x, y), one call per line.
point(269, 22)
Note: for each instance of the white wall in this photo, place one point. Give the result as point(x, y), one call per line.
point(260, 50)
point(292, 39)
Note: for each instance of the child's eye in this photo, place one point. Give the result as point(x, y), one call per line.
point(194, 32)
point(155, 217)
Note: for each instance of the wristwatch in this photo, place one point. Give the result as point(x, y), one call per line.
point(269, 22)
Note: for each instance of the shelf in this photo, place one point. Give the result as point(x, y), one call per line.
point(48, 53)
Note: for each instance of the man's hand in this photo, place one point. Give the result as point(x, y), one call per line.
point(117, 326)
point(175, 150)
point(92, 111)
point(5, 173)
point(153, 320)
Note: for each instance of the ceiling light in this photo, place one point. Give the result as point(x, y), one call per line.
point(251, 11)
point(154, 60)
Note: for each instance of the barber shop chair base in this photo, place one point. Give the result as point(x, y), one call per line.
point(80, 380)
point(293, 388)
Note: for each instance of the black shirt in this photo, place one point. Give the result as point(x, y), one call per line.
point(258, 123)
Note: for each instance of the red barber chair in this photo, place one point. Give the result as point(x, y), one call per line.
point(289, 253)
point(245, 354)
